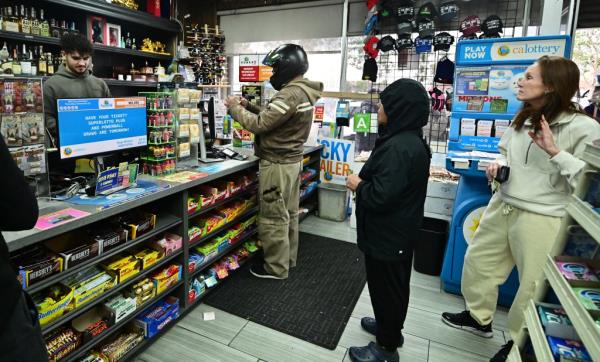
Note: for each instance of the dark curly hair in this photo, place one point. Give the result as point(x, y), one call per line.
point(71, 43)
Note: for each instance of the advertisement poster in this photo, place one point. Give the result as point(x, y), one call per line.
point(472, 82)
point(525, 50)
point(96, 125)
point(54, 219)
point(490, 90)
point(249, 68)
point(337, 160)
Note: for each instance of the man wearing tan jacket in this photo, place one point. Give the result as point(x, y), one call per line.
point(280, 130)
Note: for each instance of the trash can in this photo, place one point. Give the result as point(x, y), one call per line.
point(430, 246)
point(333, 201)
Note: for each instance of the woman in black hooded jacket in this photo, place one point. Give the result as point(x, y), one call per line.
point(390, 194)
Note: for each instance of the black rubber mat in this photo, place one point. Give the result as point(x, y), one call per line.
point(313, 304)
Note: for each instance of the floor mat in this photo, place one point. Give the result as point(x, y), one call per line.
point(313, 304)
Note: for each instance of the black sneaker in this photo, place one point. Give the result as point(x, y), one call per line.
point(464, 321)
point(258, 270)
point(370, 325)
point(503, 353)
point(372, 353)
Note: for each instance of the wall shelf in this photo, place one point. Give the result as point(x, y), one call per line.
point(97, 47)
point(118, 12)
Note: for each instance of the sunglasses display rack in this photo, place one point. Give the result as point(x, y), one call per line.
point(206, 46)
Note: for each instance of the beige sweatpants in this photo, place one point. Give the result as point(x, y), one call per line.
point(279, 198)
point(507, 236)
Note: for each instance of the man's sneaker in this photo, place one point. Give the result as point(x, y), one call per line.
point(370, 325)
point(464, 321)
point(372, 353)
point(503, 353)
point(258, 270)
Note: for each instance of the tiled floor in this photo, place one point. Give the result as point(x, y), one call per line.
point(231, 338)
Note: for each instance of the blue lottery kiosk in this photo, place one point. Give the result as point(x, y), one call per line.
point(484, 103)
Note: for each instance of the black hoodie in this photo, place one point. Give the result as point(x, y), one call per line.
point(390, 199)
point(18, 211)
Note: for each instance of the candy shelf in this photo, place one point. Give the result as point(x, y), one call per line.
point(164, 223)
point(586, 328)
point(583, 213)
point(536, 333)
point(111, 292)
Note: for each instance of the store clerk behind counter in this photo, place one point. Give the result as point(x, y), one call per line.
point(74, 79)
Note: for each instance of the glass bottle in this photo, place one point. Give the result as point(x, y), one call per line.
point(42, 65)
point(35, 23)
point(57, 61)
point(63, 27)
point(44, 26)
point(54, 28)
point(49, 64)
point(133, 45)
point(25, 62)
point(128, 41)
point(25, 22)
point(4, 54)
point(33, 62)
point(16, 64)
point(11, 22)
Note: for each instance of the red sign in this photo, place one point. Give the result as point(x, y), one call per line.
point(319, 111)
point(249, 73)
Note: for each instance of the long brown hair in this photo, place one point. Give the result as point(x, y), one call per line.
point(561, 75)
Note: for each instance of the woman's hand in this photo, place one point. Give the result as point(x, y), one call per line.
point(352, 182)
point(544, 138)
point(491, 171)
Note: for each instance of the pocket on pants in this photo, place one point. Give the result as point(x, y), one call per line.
point(272, 206)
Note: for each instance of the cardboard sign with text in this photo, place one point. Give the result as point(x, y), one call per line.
point(337, 160)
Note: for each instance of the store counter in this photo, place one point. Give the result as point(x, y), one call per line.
point(160, 189)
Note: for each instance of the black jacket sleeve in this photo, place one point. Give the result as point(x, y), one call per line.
point(389, 180)
point(18, 205)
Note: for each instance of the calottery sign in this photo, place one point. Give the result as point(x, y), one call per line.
point(511, 50)
point(337, 159)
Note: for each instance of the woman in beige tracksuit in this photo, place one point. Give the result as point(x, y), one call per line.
point(521, 221)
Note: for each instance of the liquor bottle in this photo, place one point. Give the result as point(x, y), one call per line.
point(42, 65)
point(4, 54)
point(11, 22)
point(35, 22)
point(34, 63)
point(133, 45)
point(25, 62)
point(122, 43)
point(16, 64)
point(128, 41)
point(63, 27)
point(57, 61)
point(2, 15)
point(73, 28)
point(54, 28)
point(44, 26)
point(49, 64)
point(25, 22)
